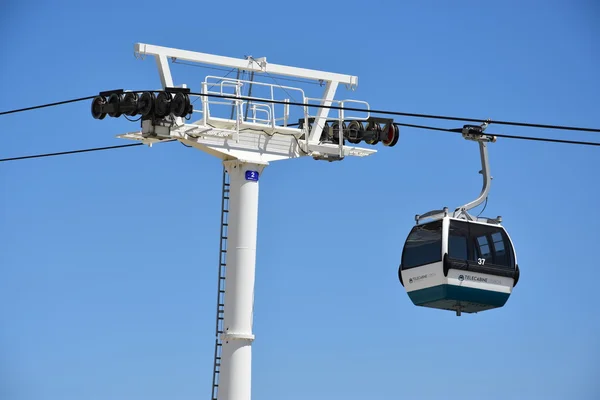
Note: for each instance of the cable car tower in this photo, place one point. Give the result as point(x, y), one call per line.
point(246, 133)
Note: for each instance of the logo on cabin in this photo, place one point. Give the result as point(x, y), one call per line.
point(418, 278)
point(472, 278)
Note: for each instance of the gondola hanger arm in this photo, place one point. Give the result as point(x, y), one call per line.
point(475, 133)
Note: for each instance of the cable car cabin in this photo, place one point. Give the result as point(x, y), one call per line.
point(460, 265)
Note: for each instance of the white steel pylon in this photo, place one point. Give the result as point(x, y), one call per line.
point(258, 134)
point(237, 337)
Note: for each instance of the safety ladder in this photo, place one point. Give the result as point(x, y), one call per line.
point(221, 284)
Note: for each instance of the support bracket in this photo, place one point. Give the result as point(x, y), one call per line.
point(474, 133)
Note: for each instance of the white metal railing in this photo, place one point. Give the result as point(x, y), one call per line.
point(261, 110)
point(255, 104)
point(342, 114)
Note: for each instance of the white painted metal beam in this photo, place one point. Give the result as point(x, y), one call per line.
point(164, 71)
point(244, 64)
point(323, 112)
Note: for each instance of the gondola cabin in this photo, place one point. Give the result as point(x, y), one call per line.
point(459, 265)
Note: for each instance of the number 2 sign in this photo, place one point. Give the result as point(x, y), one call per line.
point(252, 176)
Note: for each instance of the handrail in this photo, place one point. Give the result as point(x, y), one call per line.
point(262, 102)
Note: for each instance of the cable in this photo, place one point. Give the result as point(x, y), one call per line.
point(70, 152)
point(484, 206)
point(404, 114)
point(322, 106)
point(297, 142)
point(47, 105)
point(544, 139)
point(539, 139)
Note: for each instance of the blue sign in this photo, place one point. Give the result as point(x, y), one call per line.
point(252, 176)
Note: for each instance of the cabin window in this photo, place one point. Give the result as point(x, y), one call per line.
point(480, 244)
point(501, 255)
point(423, 245)
point(483, 247)
point(498, 241)
point(458, 237)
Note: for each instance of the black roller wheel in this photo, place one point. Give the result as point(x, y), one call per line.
point(374, 133)
point(129, 104)
point(96, 107)
point(391, 133)
point(115, 101)
point(162, 106)
point(325, 134)
point(335, 132)
point(180, 105)
point(355, 129)
point(145, 104)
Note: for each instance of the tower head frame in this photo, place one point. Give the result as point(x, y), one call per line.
point(258, 128)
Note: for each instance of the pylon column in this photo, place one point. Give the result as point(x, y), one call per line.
point(236, 357)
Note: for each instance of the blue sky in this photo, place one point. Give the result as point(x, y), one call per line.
point(108, 260)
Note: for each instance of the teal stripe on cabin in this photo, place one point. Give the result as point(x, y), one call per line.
point(447, 296)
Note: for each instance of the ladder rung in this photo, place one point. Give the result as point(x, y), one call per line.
point(221, 292)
